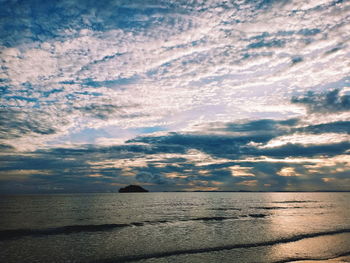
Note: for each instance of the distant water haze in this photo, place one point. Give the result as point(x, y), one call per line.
point(174, 227)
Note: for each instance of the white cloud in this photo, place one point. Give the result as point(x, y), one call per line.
point(307, 139)
point(241, 171)
point(288, 171)
point(172, 72)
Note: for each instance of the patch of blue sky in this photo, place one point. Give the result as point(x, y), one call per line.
point(303, 32)
point(89, 135)
point(327, 5)
point(262, 4)
point(4, 90)
point(67, 82)
point(3, 80)
point(161, 69)
point(45, 20)
point(46, 94)
point(86, 136)
point(95, 94)
point(190, 44)
point(267, 43)
point(229, 22)
point(71, 96)
point(260, 36)
point(145, 130)
point(247, 55)
point(339, 84)
point(34, 102)
point(127, 18)
point(110, 83)
point(309, 31)
point(285, 33)
point(15, 97)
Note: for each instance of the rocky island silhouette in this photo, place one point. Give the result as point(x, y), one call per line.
point(133, 189)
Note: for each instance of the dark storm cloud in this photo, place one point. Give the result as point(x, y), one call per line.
point(336, 127)
point(332, 101)
point(211, 144)
point(236, 146)
point(233, 143)
point(262, 126)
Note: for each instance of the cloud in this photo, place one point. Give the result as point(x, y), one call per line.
point(169, 57)
point(288, 171)
point(145, 177)
point(308, 139)
point(190, 91)
point(332, 101)
point(100, 111)
point(240, 171)
point(330, 127)
point(249, 183)
point(222, 158)
point(15, 123)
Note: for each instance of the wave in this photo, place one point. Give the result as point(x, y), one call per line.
point(296, 201)
point(345, 254)
point(288, 207)
point(276, 207)
point(214, 218)
point(228, 247)
point(18, 233)
point(226, 209)
point(257, 215)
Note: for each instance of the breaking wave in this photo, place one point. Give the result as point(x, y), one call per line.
point(229, 247)
point(18, 233)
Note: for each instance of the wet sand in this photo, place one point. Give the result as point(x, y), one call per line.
point(333, 260)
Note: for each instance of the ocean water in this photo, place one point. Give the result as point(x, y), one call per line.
point(174, 227)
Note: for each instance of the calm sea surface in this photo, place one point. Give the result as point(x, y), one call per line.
point(174, 227)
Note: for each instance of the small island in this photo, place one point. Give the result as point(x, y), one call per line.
point(133, 189)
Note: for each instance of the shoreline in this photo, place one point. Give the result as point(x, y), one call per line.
point(341, 259)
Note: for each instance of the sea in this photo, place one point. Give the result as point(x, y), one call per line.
point(175, 227)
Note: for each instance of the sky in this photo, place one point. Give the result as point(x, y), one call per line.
point(174, 95)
